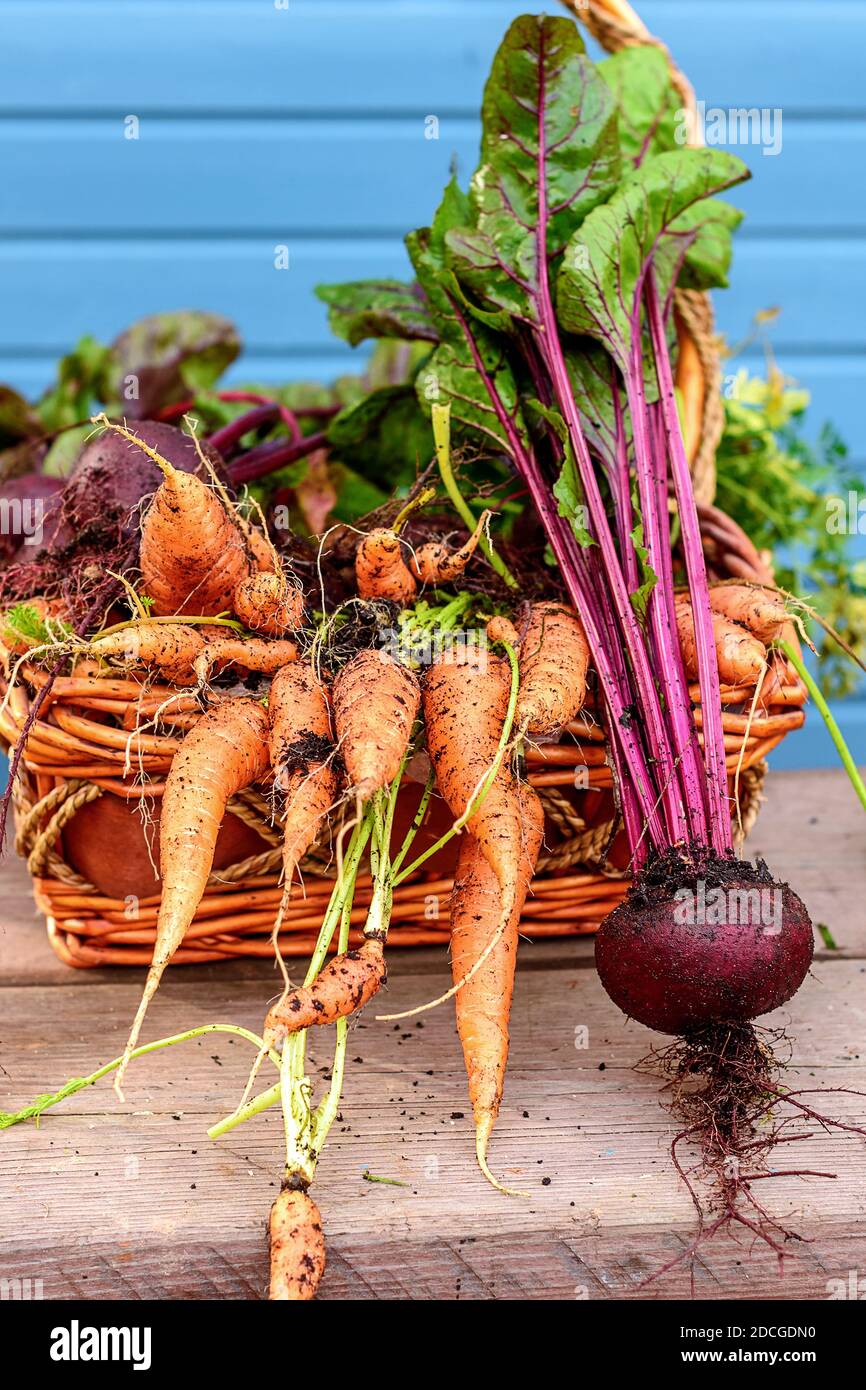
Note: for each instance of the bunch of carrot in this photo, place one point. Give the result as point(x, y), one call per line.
point(336, 731)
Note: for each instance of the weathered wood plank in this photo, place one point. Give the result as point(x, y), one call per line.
point(540, 1264)
point(289, 188)
point(580, 1131)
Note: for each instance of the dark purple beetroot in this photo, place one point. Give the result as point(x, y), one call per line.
point(690, 948)
point(18, 499)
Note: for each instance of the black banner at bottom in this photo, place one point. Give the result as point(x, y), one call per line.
point(66, 1339)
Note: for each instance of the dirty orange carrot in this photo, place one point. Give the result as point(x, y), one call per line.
point(484, 1002)
point(297, 1245)
point(268, 603)
point(260, 550)
point(346, 984)
point(436, 563)
point(302, 756)
point(254, 653)
point(740, 656)
point(554, 658)
point(375, 705)
point(502, 629)
point(381, 571)
point(171, 647)
point(760, 610)
point(226, 751)
point(465, 704)
point(466, 697)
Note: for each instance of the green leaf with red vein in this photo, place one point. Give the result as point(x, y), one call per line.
point(549, 155)
point(603, 270)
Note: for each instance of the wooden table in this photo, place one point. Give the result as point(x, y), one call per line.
point(128, 1201)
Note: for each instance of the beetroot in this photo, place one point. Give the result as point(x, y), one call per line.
point(719, 942)
point(28, 491)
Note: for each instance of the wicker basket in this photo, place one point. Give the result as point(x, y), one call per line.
point(87, 745)
point(91, 743)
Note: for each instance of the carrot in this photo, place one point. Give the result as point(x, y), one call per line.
point(554, 658)
point(465, 703)
point(259, 548)
point(346, 984)
point(740, 656)
point(302, 747)
point(226, 751)
point(266, 602)
point(484, 1001)
point(253, 653)
point(760, 610)
point(434, 563)
point(375, 705)
point(466, 698)
point(501, 629)
point(297, 1245)
point(192, 553)
point(381, 571)
point(171, 647)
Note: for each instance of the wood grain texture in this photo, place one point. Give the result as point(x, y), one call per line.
point(130, 1201)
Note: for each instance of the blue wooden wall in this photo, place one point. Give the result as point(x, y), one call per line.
point(304, 124)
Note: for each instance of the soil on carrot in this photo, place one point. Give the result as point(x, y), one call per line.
point(306, 751)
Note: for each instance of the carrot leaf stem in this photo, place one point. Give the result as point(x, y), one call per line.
point(78, 1083)
point(824, 710)
point(441, 419)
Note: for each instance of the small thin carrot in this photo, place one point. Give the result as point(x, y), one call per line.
point(502, 629)
point(484, 1001)
point(226, 751)
point(436, 563)
point(297, 1245)
point(268, 603)
point(376, 701)
point(346, 984)
point(253, 653)
point(302, 756)
point(171, 647)
point(760, 610)
point(380, 570)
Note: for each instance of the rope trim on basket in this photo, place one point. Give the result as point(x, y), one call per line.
point(582, 845)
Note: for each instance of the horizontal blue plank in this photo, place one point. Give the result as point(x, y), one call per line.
point(242, 175)
point(837, 384)
point(54, 289)
point(409, 55)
